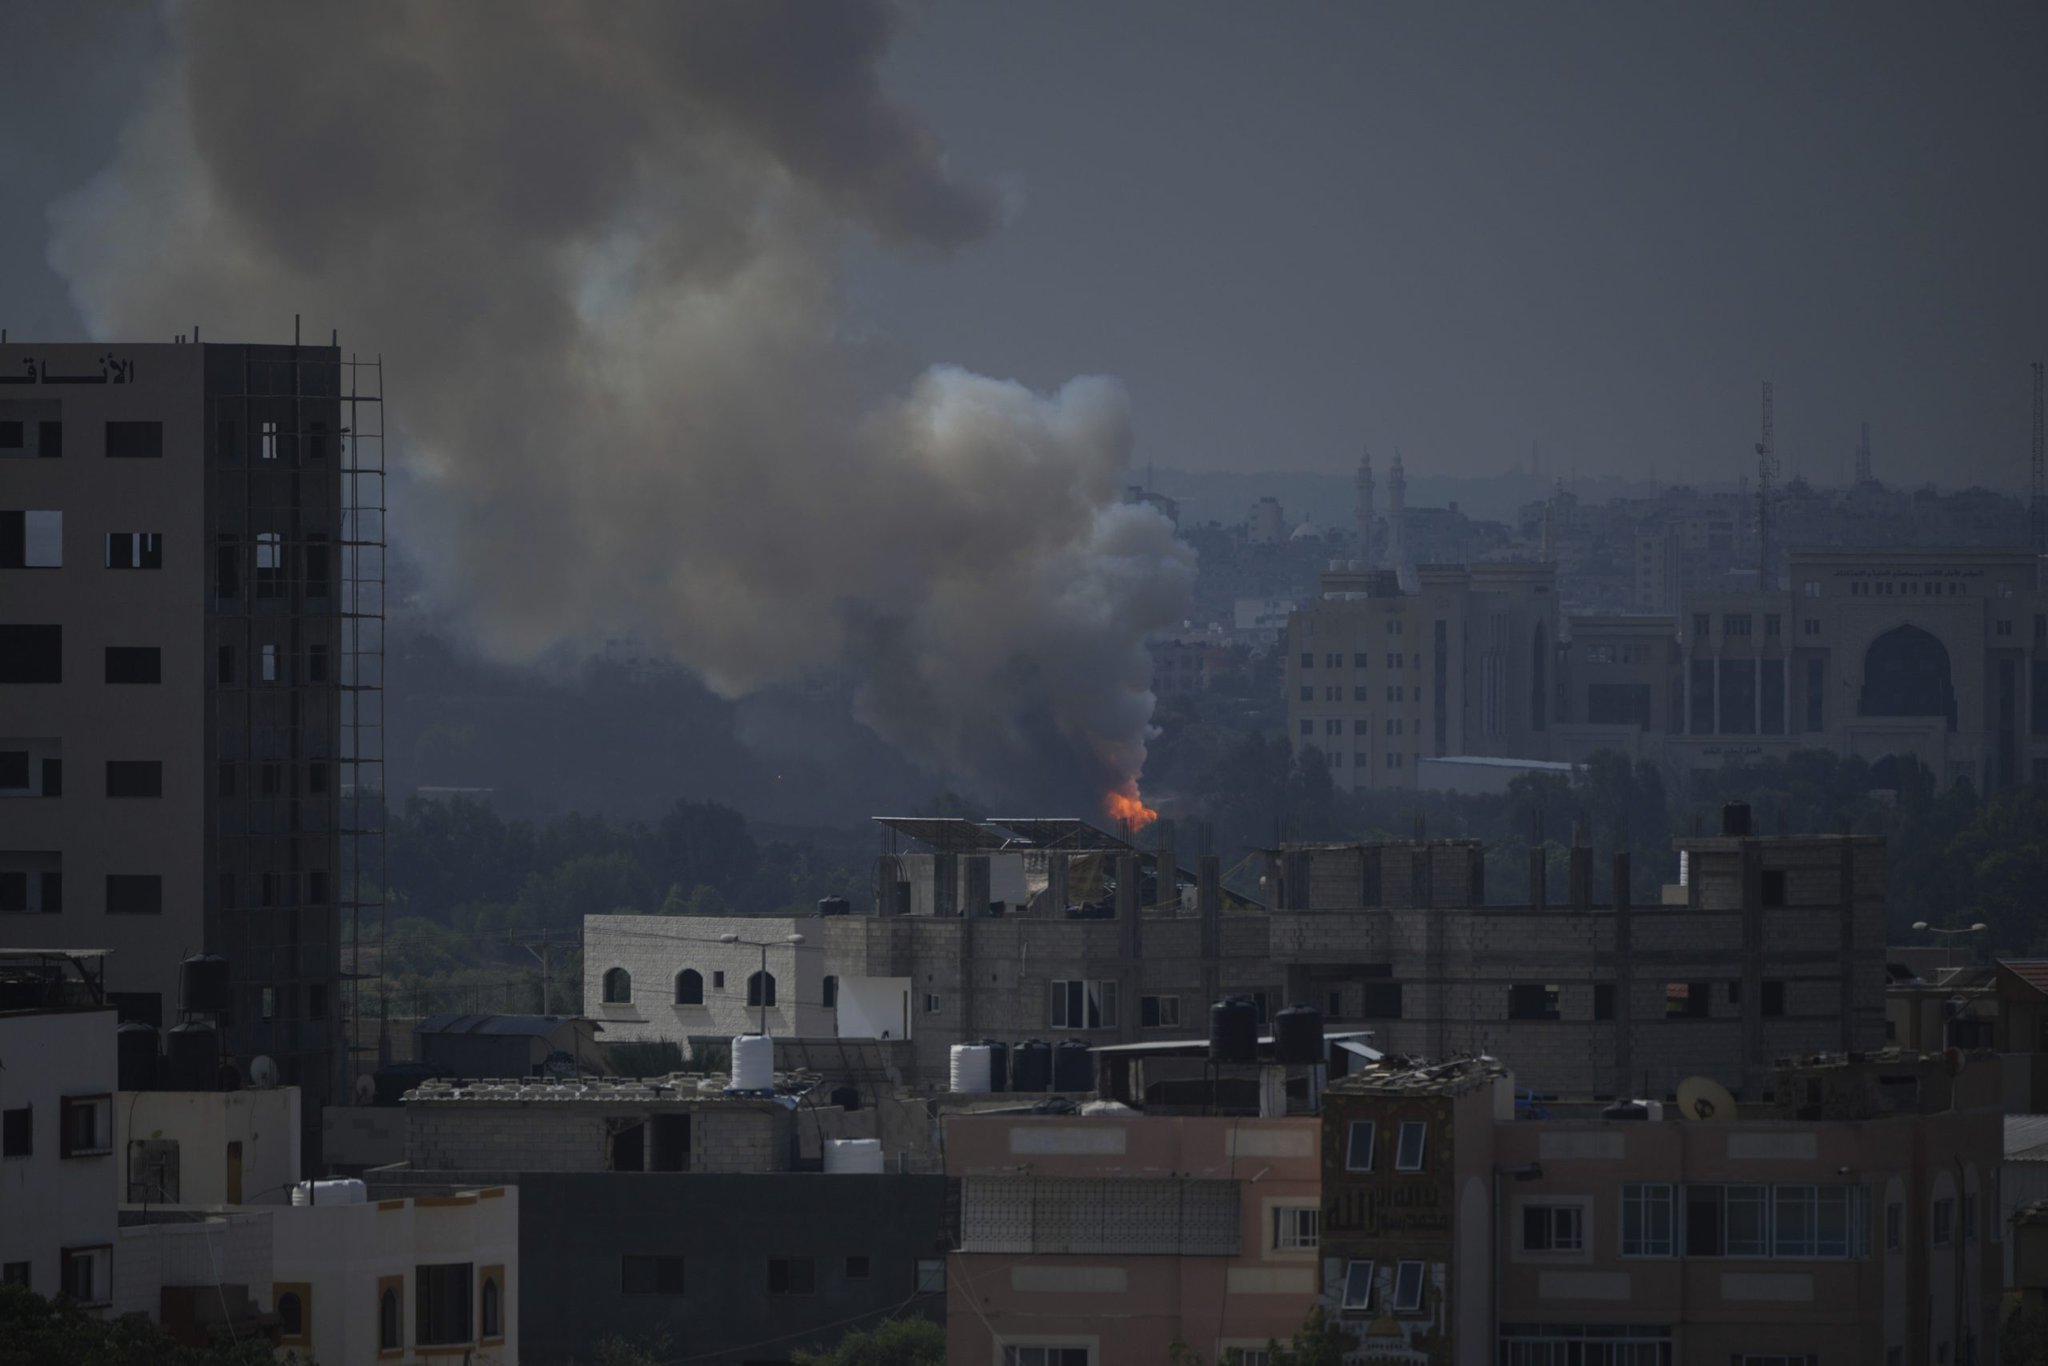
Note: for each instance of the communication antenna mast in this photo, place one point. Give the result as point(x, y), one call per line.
point(1766, 475)
point(1863, 457)
point(2039, 503)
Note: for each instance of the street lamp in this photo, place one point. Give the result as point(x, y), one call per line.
point(1948, 935)
point(761, 982)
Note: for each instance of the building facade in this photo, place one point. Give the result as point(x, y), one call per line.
point(668, 977)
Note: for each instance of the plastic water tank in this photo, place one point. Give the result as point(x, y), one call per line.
point(1298, 1035)
point(753, 1063)
point(1073, 1067)
point(998, 1064)
point(1031, 1066)
point(834, 905)
point(850, 1155)
point(970, 1075)
point(203, 983)
point(135, 1055)
point(341, 1191)
point(1233, 1031)
point(191, 1057)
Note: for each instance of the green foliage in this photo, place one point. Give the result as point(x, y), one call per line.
point(36, 1332)
point(899, 1342)
point(2023, 1338)
point(654, 1058)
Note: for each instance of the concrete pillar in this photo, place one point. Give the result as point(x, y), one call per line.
point(945, 884)
point(975, 900)
point(1581, 889)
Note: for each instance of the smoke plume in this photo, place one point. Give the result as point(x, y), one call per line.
point(599, 249)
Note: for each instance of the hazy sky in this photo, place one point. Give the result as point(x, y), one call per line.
point(1458, 228)
point(1291, 228)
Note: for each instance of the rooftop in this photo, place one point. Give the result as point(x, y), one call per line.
point(675, 1088)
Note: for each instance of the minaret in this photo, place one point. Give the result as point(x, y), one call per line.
point(1397, 506)
point(1365, 511)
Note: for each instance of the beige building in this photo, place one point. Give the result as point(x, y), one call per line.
point(188, 543)
point(1378, 678)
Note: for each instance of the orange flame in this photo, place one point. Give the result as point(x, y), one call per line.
point(1127, 809)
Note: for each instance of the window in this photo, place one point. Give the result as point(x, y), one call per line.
point(18, 1132)
point(135, 440)
point(1408, 1147)
point(1772, 623)
point(134, 664)
point(791, 1276)
point(269, 564)
point(689, 987)
point(316, 663)
point(857, 1268)
point(1408, 1286)
point(294, 1313)
point(135, 550)
point(617, 987)
point(1553, 1228)
point(1159, 1012)
point(1333, 726)
point(1603, 1000)
point(1357, 1287)
point(491, 1305)
point(1084, 1005)
point(135, 778)
point(1774, 1000)
point(1358, 1146)
point(1308, 692)
point(1360, 660)
point(267, 440)
point(1333, 693)
point(1333, 661)
point(316, 566)
point(1702, 625)
point(718, 981)
point(1532, 1001)
point(31, 654)
point(1735, 624)
point(931, 1275)
point(1727, 1221)
point(31, 540)
point(135, 894)
point(84, 1274)
point(931, 1003)
point(15, 1273)
point(1295, 1228)
point(441, 1300)
point(316, 777)
point(1773, 889)
point(268, 670)
point(648, 1275)
point(760, 988)
point(85, 1126)
point(227, 567)
point(390, 1315)
point(829, 991)
point(1308, 727)
point(1646, 1220)
point(1895, 1226)
point(1045, 1356)
point(1686, 1000)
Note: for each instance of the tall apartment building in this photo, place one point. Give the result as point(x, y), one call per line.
point(190, 570)
point(1379, 678)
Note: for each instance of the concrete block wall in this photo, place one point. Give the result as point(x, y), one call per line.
point(654, 949)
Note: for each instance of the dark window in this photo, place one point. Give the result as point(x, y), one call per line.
point(291, 1315)
point(135, 778)
point(668, 1143)
point(831, 991)
point(15, 1273)
point(316, 566)
point(316, 886)
point(13, 436)
point(1702, 624)
point(857, 1268)
point(1308, 659)
point(442, 1297)
point(135, 894)
point(718, 981)
point(13, 890)
point(1816, 701)
point(645, 1275)
point(1774, 999)
point(316, 663)
point(689, 987)
point(227, 780)
point(135, 550)
point(390, 1321)
point(227, 567)
point(316, 448)
point(1774, 887)
point(135, 664)
point(316, 1001)
point(316, 777)
point(760, 988)
point(791, 1276)
point(53, 777)
point(31, 654)
point(493, 1307)
point(14, 769)
point(135, 440)
point(271, 776)
point(18, 1132)
point(52, 434)
point(1380, 1000)
point(1687, 1000)
point(618, 986)
point(1772, 621)
point(228, 444)
point(224, 664)
point(1532, 1001)
point(1603, 1000)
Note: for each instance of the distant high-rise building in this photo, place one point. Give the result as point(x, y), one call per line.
point(190, 613)
point(1366, 516)
point(1397, 516)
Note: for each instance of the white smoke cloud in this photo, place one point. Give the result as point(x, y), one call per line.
point(598, 247)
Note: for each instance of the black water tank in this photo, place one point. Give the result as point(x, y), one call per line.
point(834, 905)
point(1073, 1067)
point(1735, 818)
point(1233, 1031)
point(998, 1064)
point(204, 981)
point(846, 1097)
point(1298, 1035)
point(191, 1057)
point(135, 1056)
point(395, 1080)
point(1031, 1066)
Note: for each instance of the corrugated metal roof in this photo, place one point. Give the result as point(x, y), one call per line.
point(2032, 971)
point(2026, 1138)
point(536, 1026)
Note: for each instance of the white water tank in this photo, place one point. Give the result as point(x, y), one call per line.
point(971, 1072)
point(753, 1063)
point(846, 1155)
point(342, 1191)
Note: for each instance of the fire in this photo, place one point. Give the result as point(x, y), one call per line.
point(1127, 809)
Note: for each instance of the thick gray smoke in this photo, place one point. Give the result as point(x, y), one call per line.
point(599, 247)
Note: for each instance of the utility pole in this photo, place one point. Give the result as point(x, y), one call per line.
point(1766, 473)
point(544, 955)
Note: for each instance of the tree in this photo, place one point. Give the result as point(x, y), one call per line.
point(35, 1332)
point(899, 1342)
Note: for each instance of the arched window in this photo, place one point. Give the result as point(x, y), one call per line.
point(493, 1310)
point(831, 992)
point(291, 1315)
point(689, 987)
point(390, 1321)
point(1906, 673)
point(761, 989)
point(618, 986)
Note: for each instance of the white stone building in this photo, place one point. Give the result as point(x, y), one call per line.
point(648, 977)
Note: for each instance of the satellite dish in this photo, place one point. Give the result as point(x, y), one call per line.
point(366, 1090)
point(262, 1072)
point(1703, 1098)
